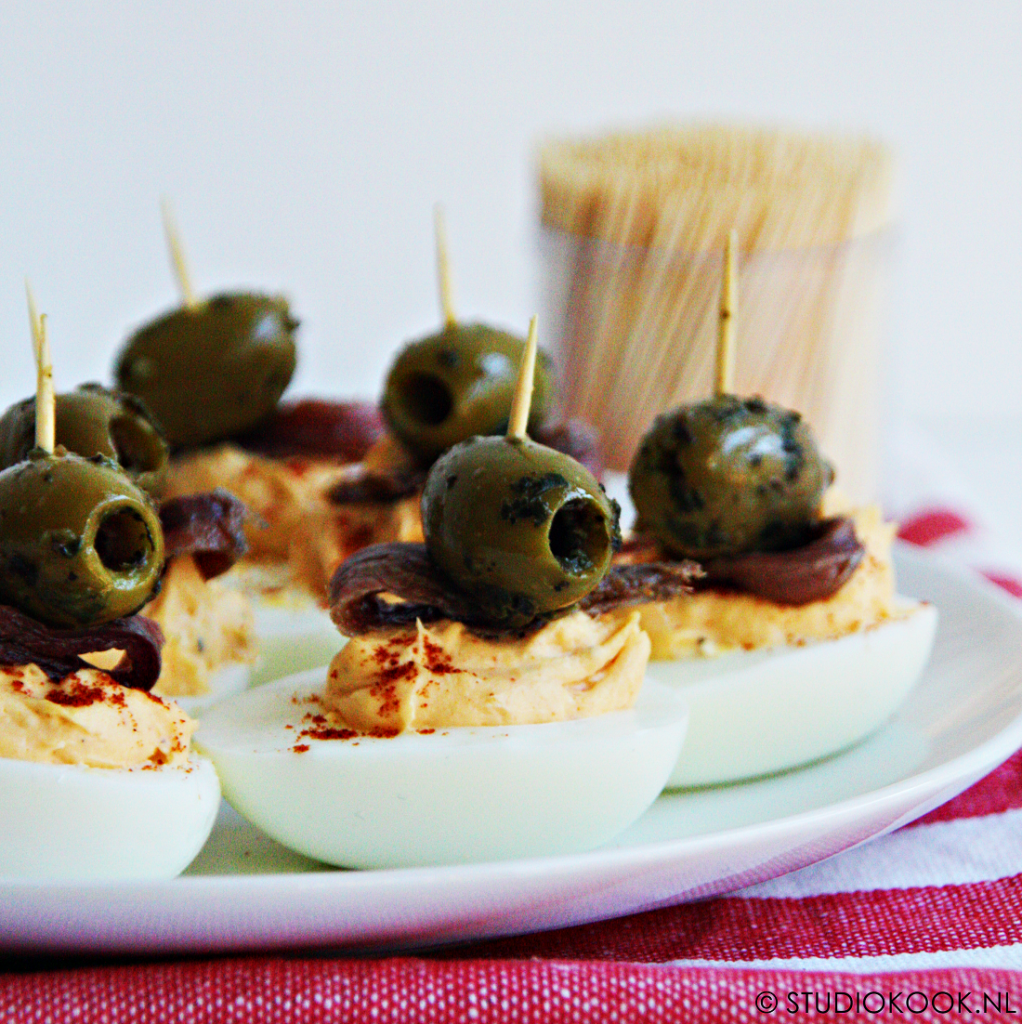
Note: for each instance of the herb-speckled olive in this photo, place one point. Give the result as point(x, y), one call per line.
point(450, 386)
point(80, 544)
point(211, 371)
point(521, 527)
point(728, 475)
point(93, 421)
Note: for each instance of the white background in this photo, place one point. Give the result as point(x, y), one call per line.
point(304, 146)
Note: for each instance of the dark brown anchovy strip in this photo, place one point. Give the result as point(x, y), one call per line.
point(317, 427)
point(207, 526)
point(407, 572)
point(811, 572)
point(403, 570)
point(376, 486)
point(25, 641)
point(640, 584)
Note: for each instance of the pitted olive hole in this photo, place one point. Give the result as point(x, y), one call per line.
point(426, 398)
point(123, 541)
point(578, 536)
point(135, 446)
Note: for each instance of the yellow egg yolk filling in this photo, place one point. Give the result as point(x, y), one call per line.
point(444, 675)
point(88, 719)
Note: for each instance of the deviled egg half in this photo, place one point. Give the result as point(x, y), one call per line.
point(795, 643)
point(437, 796)
point(480, 710)
point(97, 781)
point(96, 777)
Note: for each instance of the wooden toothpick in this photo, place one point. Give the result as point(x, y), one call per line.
point(45, 400)
point(728, 313)
point(522, 401)
point(33, 320)
point(443, 267)
point(177, 256)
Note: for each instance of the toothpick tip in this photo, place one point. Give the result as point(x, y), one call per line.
point(443, 267)
point(177, 256)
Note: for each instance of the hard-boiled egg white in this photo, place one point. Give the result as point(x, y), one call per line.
point(452, 796)
point(755, 712)
point(72, 823)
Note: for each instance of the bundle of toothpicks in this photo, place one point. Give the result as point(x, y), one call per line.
point(636, 229)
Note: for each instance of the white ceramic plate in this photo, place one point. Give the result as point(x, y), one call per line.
point(245, 892)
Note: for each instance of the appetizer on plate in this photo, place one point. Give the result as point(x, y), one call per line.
point(97, 780)
point(441, 389)
point(795, 643)
point(208, 625)
point(323, 479)
point(212, 372)
point(484, 707)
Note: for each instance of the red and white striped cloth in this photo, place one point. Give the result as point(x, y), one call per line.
point(924, 924)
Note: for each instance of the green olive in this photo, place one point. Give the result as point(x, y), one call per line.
point(211, 371)
point(93, 421)
point(80, 544)
point(728, 475)
point(450, 386)
point(524, 529)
